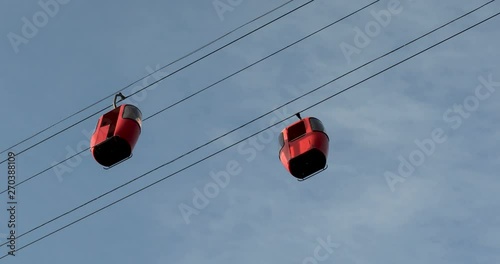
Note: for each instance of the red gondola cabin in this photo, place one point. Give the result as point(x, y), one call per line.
point(116, 134)
point(304, 147)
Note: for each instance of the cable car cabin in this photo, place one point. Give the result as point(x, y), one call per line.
point(116, 134)
point(304, 147)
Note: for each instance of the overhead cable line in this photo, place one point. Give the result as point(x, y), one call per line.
point(206, 88)
point(182, 68)
point(234, 144)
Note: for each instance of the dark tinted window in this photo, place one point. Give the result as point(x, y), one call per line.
point(109, 118)
point(132, 112)
point(316, 125)
point(281, 139)
point(296, 131)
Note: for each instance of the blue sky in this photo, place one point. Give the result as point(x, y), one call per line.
point(446, 211)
